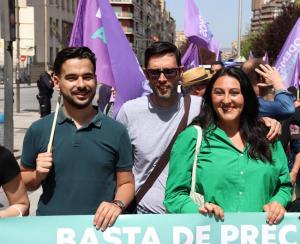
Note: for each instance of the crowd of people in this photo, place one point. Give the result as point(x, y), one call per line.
point(143, 160)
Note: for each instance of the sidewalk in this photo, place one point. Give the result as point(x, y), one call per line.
point(22, 121)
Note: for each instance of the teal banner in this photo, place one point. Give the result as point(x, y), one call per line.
point(152, 229)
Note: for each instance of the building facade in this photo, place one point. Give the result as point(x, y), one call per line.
point(143, 22)
point(46, 26)
point(265, 11)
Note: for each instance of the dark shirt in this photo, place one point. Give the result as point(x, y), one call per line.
point(9, 167)
point(45, 85)
point(85, 162)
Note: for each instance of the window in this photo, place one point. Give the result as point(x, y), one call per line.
point(51, 55)
point(68, 5)
point(137, 27)
point(51, 27)
point(63, 4)
point(73, 6)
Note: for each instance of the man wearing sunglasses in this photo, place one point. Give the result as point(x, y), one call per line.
point(153, 120)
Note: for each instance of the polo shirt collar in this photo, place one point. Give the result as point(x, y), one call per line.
point(62, 117)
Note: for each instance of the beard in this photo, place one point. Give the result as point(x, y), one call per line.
point(71, 100)
point(171, 90)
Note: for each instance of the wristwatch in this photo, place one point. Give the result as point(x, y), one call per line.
point(120, 204)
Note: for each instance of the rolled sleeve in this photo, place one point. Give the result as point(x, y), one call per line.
point(125, 160)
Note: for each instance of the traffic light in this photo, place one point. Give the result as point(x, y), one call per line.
point(12, 19)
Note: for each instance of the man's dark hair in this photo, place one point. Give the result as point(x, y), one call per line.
point(218, 63)
point(253, 131)
point(70, 53)
point(249, 69)
point(160, 48)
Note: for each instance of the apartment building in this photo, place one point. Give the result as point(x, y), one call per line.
point(46, 26)
point(265, 11)
point(143, 22)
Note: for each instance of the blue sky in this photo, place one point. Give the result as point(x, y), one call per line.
point(222, 16)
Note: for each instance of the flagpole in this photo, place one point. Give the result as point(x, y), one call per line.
point(239, 27)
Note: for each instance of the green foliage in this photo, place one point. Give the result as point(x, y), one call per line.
point(271, 38)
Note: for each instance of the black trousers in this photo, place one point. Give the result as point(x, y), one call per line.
point(45, 105)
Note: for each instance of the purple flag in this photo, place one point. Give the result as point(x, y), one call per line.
point(196, 29)
point(287, 58)
point(215, 48)
point(194, 24)
point(97, 27)
point(265, 58)
point(250, 55)
point(296, 73)
point(191, 57)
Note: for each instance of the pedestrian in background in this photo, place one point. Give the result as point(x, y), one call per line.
point(45, 86)
point(195, 80)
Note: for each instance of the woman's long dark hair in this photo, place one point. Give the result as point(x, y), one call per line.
point(252, 130)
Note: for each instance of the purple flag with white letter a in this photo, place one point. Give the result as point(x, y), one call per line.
point(287, 58)
point(97, 27)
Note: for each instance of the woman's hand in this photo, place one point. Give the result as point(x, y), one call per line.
point(210, 208)
point(275, 212)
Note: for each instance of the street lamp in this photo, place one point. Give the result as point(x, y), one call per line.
point(46, 35)
point(239, 27)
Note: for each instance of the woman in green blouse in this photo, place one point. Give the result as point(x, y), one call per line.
point(238, 169)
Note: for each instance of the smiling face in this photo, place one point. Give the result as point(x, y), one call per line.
point(227, 100)
point(77, 83)
point(164, 87)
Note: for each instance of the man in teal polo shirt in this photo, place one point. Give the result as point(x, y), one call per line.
point(89, 168)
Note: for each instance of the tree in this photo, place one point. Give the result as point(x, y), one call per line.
point(272, 36)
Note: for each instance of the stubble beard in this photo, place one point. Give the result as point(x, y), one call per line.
point(169, 94)
point(72, 102)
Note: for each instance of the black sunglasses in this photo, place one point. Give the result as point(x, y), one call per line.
point(168, 73)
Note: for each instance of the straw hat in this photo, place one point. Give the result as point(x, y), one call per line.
point(195, 75)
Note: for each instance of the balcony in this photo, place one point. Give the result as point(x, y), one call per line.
point(121, 1)
point(127, 30)
point(124, 15)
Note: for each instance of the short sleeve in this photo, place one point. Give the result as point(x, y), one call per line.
point(125, 159)
point(9, 167)
point(122, 117)
point(28, 159)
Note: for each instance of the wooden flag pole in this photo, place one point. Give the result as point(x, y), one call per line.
point(49, 147)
